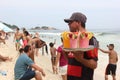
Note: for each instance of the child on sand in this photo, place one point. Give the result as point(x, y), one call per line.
point(53, 56)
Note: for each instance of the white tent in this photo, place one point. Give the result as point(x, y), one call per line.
point(5, 28)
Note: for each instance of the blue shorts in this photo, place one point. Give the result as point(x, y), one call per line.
point(29, 74)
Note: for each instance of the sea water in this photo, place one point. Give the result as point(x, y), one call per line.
point(104, 37)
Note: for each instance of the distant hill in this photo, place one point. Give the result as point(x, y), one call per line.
point(35, 28)
point(10, 26)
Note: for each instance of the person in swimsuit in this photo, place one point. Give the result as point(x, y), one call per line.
point(36, 38)
point(113, 58)
point(17, 37)
point(53, 56)
point(24, 38)
point(31, 43)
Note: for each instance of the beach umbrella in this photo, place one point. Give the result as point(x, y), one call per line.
point(5, 28)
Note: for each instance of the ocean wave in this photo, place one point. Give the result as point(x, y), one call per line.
point(105, 33)
point(58, 32)
point(49, 33)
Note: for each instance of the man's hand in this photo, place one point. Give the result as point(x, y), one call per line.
point(43, 73)
point(79, 55)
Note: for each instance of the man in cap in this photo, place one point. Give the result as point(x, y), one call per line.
point(81, 65)
point(113, 58)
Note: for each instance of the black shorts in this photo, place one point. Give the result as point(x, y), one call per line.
point(111, 69)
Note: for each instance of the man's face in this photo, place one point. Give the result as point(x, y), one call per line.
point(109, 47)
point(30, 51)
point(73, 26)
point(17, 30)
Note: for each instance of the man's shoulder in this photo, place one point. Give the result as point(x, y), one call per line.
point(18, 33)
point(23, 55)
point(114, 52)
point(94, 41)
point(93, 37)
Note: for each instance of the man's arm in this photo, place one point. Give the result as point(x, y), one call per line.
point(38, 68)
point(104, 51)
point(14, 37)
point(3, 58)
point(57, 58)
point(116, 58)
point(65, 54)
point(89, 63)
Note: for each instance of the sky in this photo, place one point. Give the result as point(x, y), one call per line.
point(101, 14)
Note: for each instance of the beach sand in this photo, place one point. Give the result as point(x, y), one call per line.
point(8, 49)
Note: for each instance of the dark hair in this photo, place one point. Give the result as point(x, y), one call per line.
point(111, 45)
point(26, 33)
point(17, 28)
point(0, 34)
point(21, 50)
point(82, 24)
point(26, 49)
point(51, 44)
point(24, 29)
point(61, 39)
